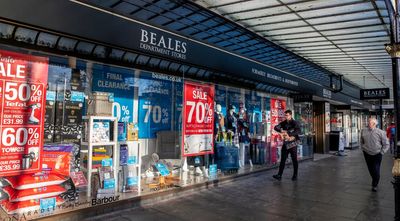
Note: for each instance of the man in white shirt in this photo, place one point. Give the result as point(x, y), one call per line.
point(374, 144)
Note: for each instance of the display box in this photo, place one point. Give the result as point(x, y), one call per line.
point(49, 119)
point(101, 132)
point(68, 117)
point(100, 104)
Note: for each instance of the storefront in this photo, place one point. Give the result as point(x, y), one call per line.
point(105, 131)
point(85, 123)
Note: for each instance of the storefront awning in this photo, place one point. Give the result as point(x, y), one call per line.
point(346, 37)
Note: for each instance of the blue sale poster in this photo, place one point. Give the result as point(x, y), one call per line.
point(220, 97)
point(253, 106)
point(234, 98)
point(120, 82)
point(178, 105)
point(155, 103)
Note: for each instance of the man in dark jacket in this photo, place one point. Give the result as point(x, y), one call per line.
point(290, 131)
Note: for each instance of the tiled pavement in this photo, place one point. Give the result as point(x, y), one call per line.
point(335, 188)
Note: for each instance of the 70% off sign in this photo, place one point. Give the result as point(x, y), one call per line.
point(200, 110)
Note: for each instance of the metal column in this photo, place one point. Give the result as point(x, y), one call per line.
point(394, 51)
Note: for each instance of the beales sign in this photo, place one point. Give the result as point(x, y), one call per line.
point(376, 93)
point(158, 43)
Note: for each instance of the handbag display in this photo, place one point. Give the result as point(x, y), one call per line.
point(291, 144)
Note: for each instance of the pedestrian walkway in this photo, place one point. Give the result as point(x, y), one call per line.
point(335, 188)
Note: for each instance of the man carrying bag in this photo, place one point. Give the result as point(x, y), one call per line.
point(290, 131)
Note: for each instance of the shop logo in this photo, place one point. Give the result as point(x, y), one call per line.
point(104, 200)
point(327, 93)
point(377, 93)
point(151, 41)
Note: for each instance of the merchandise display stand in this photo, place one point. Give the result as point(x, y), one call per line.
point(90, 144)
point(133, 150)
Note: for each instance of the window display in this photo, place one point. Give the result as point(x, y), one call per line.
point(303, 113)
point(99, 133)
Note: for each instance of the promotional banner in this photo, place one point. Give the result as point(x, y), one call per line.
point(235, 99)
point(120, 82)
point(23, 80)
point(198, 119)
point(253, 107)
point(220, 97)
point(278, 108)
point(178, 105)
point(155, 103)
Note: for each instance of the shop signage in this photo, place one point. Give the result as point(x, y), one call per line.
point(198, 119)
point(282, 79)
point(158, 43)
point(23, 81)
point(376, 93)
point(326, 93)
point(120, 82)
point(104, 200)
point(302, 98)
point(278, 108)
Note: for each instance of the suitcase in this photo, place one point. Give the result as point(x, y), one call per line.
point(227, 157)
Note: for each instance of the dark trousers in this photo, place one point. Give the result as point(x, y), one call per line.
point(284, 155)
point(374, 167)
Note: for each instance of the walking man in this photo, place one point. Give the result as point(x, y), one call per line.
point(290, 131)
point(374, 144)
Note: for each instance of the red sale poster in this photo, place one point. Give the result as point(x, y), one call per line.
point(278, 108)
point(198, 119)
point(23, 81)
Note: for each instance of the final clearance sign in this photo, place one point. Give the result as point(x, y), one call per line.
point(376, 93)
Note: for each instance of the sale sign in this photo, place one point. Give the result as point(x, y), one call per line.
point(23, 81)
point(120, 82)
point(198, 119)
point(278, 108)
point(155, 104)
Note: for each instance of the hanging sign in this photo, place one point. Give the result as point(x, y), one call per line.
point(23, 81)
point(198, 119)
point(376, 93)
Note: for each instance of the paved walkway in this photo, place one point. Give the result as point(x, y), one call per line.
point(335, 188)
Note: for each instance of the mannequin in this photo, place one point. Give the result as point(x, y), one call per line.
point(219, 122)
point(231, 120)
point(243, 125)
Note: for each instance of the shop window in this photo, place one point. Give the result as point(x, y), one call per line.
point(84, 47)
point(66, 44)
point(146, 108)
point(47, 40)
point(25, 35)
point(6, 30)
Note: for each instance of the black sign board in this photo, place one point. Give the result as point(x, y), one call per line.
point(376, 93)
point(302, 98)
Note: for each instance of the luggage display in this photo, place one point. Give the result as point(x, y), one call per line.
point(227, 156)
